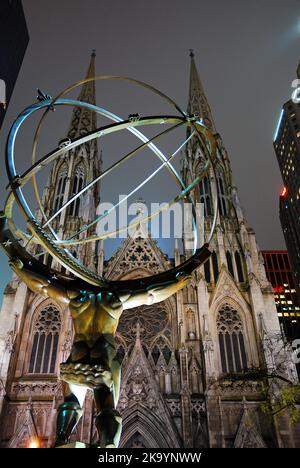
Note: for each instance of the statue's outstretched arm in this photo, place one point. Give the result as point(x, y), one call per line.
point(157, 288)
point(47, 286)
point(37, 277)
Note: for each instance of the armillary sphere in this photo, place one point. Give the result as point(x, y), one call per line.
point(42, 232)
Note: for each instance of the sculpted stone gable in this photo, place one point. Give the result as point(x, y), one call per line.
point(226, 287)
point(137, 253)
point(248, 435)
point(26, 429)
point(140, 395)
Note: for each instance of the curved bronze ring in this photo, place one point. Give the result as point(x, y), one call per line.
point(16, 182)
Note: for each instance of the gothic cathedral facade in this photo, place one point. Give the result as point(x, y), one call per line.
point(198, 368)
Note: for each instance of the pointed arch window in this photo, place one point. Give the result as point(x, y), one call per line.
point(191, 325)
point(205, 196)
point(222, 198)
point(155, 353)
point(231, 340)
point(60, 189)
point(49, 261)
point(215, 266)
point(229, 263)
point(166, 353)
point(77, 185)
point(45, 341)
point(207, 270)
point(239, 267)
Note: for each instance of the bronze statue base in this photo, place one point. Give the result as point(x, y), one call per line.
point(75, 445)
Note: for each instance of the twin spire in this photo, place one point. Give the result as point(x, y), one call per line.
point(198, 104)
point(88, 91)
point(84, 121)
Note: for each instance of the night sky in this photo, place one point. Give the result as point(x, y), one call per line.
point(246, 53)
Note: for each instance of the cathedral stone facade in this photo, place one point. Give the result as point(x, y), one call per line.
point(197, 369)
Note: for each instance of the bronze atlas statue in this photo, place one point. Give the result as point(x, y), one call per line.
point(95, 304)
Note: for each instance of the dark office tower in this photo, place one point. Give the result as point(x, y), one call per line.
point(14, 39)
point(287, 148)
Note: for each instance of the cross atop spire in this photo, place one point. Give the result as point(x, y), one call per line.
point(198, 103)
point(83, 120)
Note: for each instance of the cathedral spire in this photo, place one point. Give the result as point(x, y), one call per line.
point(83, 120)
point(197, 100)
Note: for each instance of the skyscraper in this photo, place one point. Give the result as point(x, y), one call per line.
point(194, 366)
point(14, 39)
point(287, 149)
point(279, 273)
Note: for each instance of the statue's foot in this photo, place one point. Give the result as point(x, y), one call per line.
point(109, 425)
point(60, 442)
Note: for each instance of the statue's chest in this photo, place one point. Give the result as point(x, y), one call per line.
point(99, 307)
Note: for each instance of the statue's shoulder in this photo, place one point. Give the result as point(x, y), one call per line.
point(107, 295)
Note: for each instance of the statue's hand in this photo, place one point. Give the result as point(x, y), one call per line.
point(16, 264)
point(183, 276)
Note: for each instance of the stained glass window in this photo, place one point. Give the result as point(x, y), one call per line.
point(231, 340)
point(45, 341)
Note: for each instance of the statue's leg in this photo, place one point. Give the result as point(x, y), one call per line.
point(116, 376)
point(108, 420)
point(69, 413)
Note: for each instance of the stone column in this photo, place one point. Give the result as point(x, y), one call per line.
point(185, 400)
